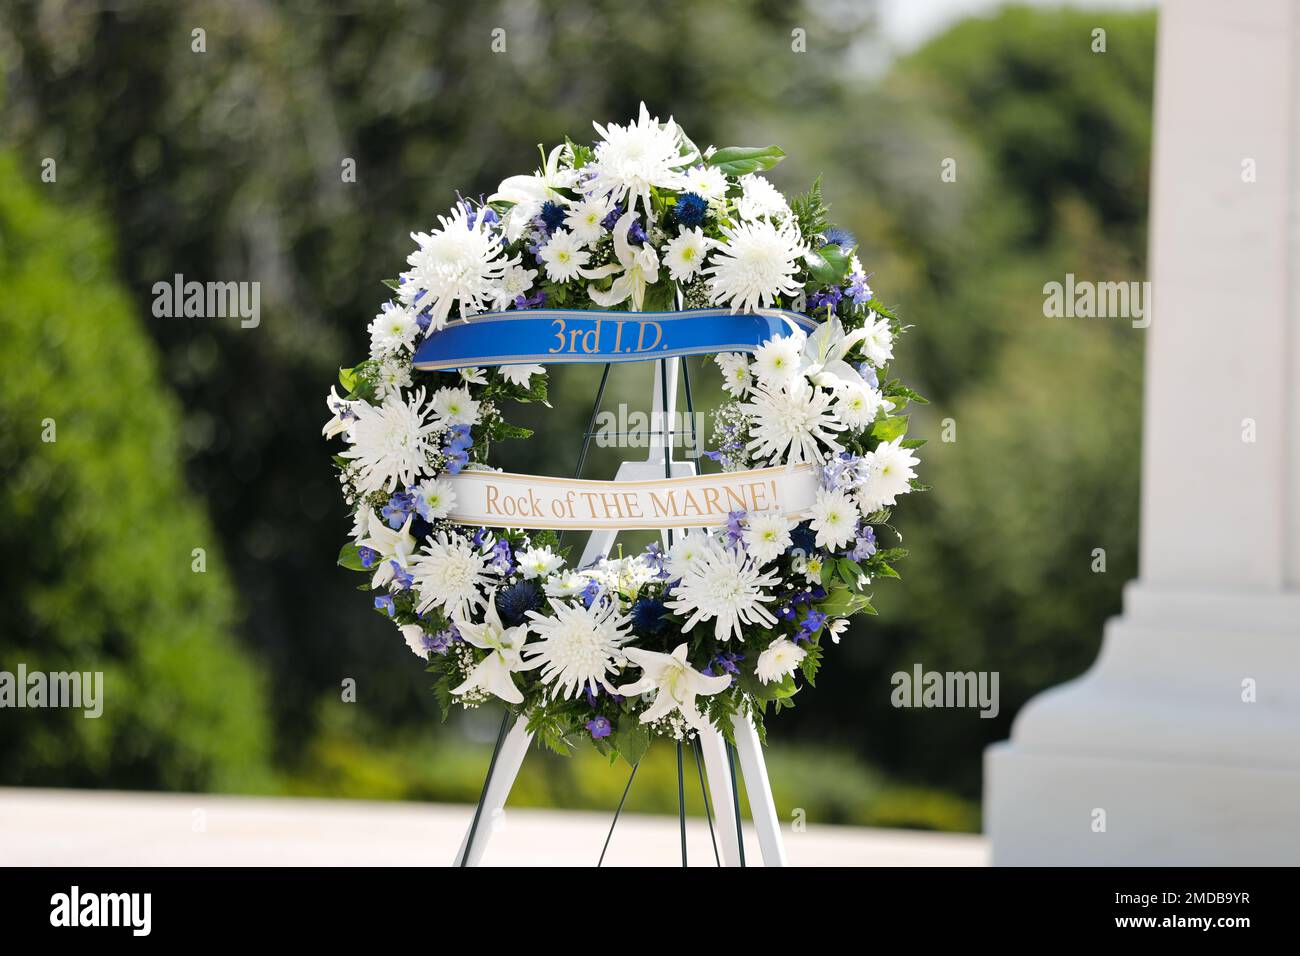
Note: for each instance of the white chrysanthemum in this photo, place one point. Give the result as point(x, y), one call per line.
point(455, 406)
point(760, 198)
point(577, 647)
point(725, 586)
point(538, 562)
point(684, 254)
point(782, 657)
point(708, 182)
point(451, 574)
point(857, 405)
point(566, 585)
point(736, 377)
point(792, 423)
point(516, 281)
point(460, 264)
point(393, 375)
point(631, 160)
point(563, 256)
point(390, 442)
point(890, 469)
point(473, 376)
point(777, 361)
point(438, 496)
point(755, 262)
point(878, 343)
point(521, 375)
point(686, 550)
point(766, 536)
point(585, 218)
point(834, 518)
point(392, 330)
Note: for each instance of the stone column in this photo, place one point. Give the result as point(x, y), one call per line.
point(1183, 739)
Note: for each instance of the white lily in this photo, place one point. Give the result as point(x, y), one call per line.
point(528, 193)
point(342, 411)
point(677, 683)
point(823, 355)
point(391, 546)
point(503, 644)
point(637, 268)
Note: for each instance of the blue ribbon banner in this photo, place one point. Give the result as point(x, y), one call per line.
point(565, 336)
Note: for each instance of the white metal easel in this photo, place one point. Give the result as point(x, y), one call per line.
point(513, 744)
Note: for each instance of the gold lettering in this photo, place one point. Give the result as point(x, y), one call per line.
point(559, 334)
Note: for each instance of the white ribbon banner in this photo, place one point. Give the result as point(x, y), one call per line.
point(503, 500)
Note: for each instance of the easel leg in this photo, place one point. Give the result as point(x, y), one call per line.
point(714, 749)
point(502, 779)
point(759, 790)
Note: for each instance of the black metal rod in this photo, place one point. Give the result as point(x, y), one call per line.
point(587, 435)
point(690, 407)
point(735, 800)
point(616, 815)
point(487, 781)
point(704, 793)
point(681, 800)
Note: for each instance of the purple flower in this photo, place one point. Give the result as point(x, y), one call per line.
point(610, 221)
point(726, 663)
point(385, 603)
point(812, 623)
point(865, 545)
point(399, 506)
point(456, 462)
point(858, 289)
point(734, 531)
point(599, 727)
point(441, 642)
point(368, 557)
point(530, 302)
point(403, 577)
point(828, 298)
point(590, 593)
point(869, 375)
point(636, 233)
point(502, 557)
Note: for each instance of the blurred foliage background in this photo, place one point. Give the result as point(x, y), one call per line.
point(176, 434)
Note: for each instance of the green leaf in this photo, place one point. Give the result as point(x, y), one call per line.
point(348, 379)
point(631, 739)
point(887, 429)
point(841, 602)
point(740, 160)
point(350, 558)
point(393, 284)
point(838, 260)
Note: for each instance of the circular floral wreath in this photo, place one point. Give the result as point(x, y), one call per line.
point(723, 622)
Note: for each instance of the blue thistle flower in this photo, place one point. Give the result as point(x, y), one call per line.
point(553, 215)
point(842, 238)
point(648, 615)
point(690, 209)
point(514, 602)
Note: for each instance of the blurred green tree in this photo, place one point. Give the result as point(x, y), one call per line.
point(99, 533)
